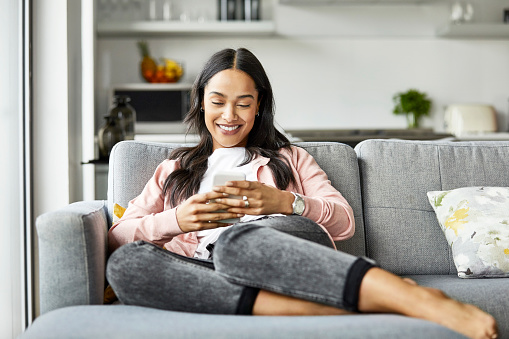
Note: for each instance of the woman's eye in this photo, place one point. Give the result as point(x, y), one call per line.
point(244, 106)
point(217, 103)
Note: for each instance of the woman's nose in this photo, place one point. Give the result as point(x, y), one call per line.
point(229, 113)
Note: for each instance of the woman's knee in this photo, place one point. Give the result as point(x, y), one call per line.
point(126, 261)
point(302, 228)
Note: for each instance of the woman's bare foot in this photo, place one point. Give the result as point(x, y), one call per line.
point(463, 318)
point(384, 292)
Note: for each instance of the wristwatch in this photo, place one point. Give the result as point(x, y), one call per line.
point(298, 204)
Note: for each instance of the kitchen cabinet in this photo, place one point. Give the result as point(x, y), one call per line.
point(474, 31)
point(176, 28)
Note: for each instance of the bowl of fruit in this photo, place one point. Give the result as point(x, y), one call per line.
point(165, 72)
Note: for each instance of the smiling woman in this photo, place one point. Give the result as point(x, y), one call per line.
point(175, 248)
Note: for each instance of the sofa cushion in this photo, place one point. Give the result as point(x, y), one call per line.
point(132, 164)
point(120, 321)
point(402, 232)
point(475, 221)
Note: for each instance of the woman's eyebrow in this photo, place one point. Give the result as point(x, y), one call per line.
point(239, 97)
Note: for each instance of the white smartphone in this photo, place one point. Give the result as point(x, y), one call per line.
point(220, 179)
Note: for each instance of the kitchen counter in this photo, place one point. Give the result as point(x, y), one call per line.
point(353, 136)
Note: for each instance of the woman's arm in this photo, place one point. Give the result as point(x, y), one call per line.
point(324, 204)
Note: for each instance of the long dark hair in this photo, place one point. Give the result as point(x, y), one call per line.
point(263, 140)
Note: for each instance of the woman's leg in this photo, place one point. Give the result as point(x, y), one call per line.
point(144, 274)
point(255, 255)
point(288, 269)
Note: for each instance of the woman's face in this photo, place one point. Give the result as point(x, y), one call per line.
point(230, 102)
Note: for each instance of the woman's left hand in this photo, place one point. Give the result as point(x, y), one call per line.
point(262, 199)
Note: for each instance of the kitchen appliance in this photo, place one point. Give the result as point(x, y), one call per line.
point(467, 119)
point(160, 108)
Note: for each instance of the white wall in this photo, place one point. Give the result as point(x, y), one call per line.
point(339, 66)
point(56, 109)
point(11, 179)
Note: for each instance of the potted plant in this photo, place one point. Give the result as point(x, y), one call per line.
point(413, 104)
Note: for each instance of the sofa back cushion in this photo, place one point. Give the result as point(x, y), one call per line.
point(132, 164)
point(402, 232)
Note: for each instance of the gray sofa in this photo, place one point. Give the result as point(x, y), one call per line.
point(385, 181)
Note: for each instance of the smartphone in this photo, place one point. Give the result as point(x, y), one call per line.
point(220, 179)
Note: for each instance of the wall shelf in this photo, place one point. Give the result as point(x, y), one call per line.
point(175, 28)
point(474, 31)
point(357, 2)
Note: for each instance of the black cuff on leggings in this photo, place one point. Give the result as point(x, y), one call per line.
point(247, 300)
point(353, 283)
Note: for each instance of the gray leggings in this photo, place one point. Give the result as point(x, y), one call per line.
point(288, 255)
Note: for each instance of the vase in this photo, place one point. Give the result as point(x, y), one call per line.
point(109, 135)
point(412, 120)
point(125, 115)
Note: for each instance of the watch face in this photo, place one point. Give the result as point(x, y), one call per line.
point(298, 205)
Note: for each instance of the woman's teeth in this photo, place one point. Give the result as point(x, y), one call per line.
point(228, 128)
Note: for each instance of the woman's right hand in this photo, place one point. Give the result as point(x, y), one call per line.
point(199, 213)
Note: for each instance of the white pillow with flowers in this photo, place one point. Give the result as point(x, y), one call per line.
point(475, 221)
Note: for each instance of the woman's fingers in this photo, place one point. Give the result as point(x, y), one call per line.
point(242, 188)
point(202, 211)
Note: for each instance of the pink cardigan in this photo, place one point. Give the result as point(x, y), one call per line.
point(151, 217)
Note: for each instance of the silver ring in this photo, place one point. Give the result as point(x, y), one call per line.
point(246, 203)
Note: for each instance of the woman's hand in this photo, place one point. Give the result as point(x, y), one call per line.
point(200, 213)
point(262, 199)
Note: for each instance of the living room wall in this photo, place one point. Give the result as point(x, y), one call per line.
point(339, 66)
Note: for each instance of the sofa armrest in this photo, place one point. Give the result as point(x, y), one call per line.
point(72, 255)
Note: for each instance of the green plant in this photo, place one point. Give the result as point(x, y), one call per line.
point(413, 104)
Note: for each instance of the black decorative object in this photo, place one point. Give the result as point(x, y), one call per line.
point(125, 114)
point(109, 135)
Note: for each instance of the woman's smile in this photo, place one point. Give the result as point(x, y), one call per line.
point(227, 128)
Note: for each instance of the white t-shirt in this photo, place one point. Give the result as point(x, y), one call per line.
point(223, 159)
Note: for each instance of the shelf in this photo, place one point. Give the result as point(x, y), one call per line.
point(357, 2)
point(474, 31)
point(166, 28)
point(152, 86)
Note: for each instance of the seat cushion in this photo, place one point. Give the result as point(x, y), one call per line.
point(125, 322)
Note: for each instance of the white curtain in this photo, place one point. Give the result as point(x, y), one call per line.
point(11, 172)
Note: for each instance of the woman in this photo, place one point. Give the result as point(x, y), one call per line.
point(279, 260)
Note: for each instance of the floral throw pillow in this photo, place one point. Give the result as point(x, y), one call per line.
point(118, 212)
point(475, 221)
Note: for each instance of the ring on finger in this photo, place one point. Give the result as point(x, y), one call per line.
point(246, 202)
